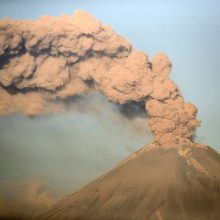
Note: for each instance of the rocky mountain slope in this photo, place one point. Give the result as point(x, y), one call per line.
point(152, 184)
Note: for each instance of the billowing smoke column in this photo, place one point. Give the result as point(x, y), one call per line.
point(44, 63)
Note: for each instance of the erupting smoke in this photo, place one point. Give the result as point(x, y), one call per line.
point(47, 63)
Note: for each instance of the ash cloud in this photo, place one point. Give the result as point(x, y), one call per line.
point(25, 199)
point(47, 63)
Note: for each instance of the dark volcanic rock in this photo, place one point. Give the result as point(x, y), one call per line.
point(153, 184)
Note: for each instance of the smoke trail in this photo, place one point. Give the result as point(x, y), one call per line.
point(49, 63)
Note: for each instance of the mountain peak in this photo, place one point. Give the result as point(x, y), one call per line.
point(155, 183)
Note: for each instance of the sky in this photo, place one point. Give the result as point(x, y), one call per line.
point(68, 150)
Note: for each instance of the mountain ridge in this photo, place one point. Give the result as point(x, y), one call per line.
point(181, 183)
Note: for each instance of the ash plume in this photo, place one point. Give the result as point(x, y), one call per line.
point(47, 63)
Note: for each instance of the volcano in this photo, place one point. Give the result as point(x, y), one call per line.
point(48, 63)
point(154, 183)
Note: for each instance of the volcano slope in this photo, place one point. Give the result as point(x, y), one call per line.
point(154, 183)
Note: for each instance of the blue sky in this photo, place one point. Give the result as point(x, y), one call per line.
point(187, 31)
